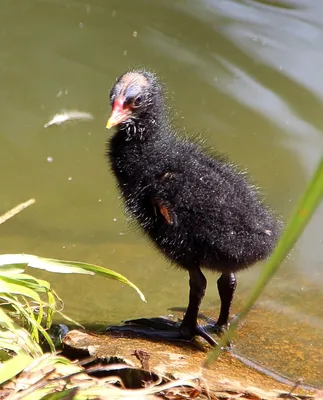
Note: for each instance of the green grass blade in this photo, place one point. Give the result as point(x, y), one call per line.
point(32, 282)
point(307, 206)
point(5, 320)
point(14, 286)
point(65, 394)
point(11, 368)
point(30, 318)
point(19, 340)
point(47, 264)
point(50, 309)
point(11, 269)
point(66, 267)
point(33, 330)
point(106, 273)
point(13, 335)
point(8, 345)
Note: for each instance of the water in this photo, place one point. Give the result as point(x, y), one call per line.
point(245, 73)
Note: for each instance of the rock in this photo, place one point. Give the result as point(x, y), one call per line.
point(144, 360)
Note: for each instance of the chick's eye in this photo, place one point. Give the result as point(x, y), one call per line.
point(137, 101)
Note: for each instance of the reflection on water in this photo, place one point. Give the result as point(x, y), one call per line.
point(245, 73)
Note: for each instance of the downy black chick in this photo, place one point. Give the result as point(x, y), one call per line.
point(198, 210)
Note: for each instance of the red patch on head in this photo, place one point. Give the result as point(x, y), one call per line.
point(118, 105)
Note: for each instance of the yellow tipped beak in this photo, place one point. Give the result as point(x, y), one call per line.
point(109, 124)
point(117, 116)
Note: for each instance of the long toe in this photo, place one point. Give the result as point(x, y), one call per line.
point(172, 333)
point(159, 323)
point(160, 328)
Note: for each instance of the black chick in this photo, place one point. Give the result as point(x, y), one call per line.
point(198, 210)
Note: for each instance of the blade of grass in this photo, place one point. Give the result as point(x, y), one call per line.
point(106, 273)
point(31, 319)
point(51, 309)
point(12, 269)
point(18, 337)
point(13, 286)
point(14, 211)
point(307, 206)
point(33, 327)
point(66, 267)
point(5, 320)
point(11, 368)
point(27, 281)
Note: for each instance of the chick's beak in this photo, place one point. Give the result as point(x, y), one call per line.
point(120, 113)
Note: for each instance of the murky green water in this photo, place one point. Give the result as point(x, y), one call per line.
point(246, 73)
